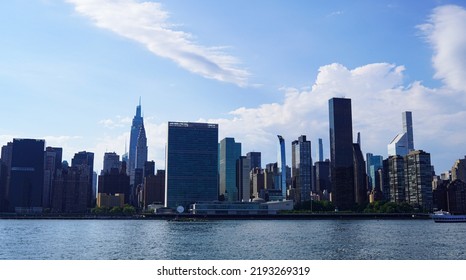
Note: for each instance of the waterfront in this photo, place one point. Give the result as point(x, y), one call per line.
point(231, 239)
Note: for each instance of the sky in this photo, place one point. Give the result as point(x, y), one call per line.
point(72, 72)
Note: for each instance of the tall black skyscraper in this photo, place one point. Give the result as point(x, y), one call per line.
point(341, 153)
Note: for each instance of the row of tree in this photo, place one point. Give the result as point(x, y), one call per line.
point(374, 207)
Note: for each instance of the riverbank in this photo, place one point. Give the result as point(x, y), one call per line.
point(191, 217)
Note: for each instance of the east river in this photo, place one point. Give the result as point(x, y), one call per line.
point(231, 239)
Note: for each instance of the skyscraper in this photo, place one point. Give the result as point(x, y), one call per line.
point(86, 159)
point(25, 188)
point(403, 143)
point(141, 148)
point(458, 171)
point(191, 163)
point(254, 160)
point(242, 178)
point(360, 175)
point(281, 164)
point(230, 152)
point(301, 168)
point(133, 140)
point(53, 158)
point(71, 189)
point(341, 153)
point(418, 172)
point(408, 129)
point(396, 173)
point(111, 161)
point(320, 156)
point(373, 163)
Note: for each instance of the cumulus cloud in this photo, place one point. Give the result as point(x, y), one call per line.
point(379, 96)
point(378, 99)
point(147, 23)
point(445, 31)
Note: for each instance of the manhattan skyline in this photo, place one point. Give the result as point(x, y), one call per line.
point(72, 72)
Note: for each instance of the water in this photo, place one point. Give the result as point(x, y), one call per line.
point(216, 240)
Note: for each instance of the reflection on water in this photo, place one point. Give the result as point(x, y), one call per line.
point(150, 239)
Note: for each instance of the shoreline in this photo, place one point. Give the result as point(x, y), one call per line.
point(202, 217)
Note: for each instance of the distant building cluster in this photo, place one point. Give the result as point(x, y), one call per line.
point(205, 175)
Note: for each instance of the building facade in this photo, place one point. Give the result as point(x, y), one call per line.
point(418, 172)
point(341, 153)
point(229, 153)
point(301, 169)
point(191, 163)
point(281, 164)
point(133, 141)
point(254, 160)
point(360, 176)
point(26, 176)
point(458, 171)
point(243, 182)
point(86, 159)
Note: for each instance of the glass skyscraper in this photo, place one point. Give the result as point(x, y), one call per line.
point(230, 152)
point(408, 129)
point(254, 160)
point(26, 175)
point(341, 153)
point(403, 143)
point(191, 163)
point(133, 141)
point(281, 164)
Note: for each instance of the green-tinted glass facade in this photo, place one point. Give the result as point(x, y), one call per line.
point(191, 163)
point(230, 152)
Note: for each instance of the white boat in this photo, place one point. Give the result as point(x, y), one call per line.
point(446, 217)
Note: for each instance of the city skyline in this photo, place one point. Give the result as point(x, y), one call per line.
point(72, 76)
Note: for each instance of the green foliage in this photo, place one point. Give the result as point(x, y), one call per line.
point(126, 210)
point(129, 210)
point(315, 206)
point(389, 207)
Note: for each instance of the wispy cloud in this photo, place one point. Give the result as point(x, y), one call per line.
point(445, 31)
point(147, 23)
point(335, 13)
point(118, 122)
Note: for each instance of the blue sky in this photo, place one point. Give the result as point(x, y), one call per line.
point(72, 71)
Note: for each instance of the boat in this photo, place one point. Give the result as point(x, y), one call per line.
point(447, 217)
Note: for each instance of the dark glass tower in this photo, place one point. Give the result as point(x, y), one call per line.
point(341, 153)
point(254, 160)
point(26, 176)
point(191, 163)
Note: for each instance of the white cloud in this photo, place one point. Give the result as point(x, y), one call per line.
point(445, 31)
point(378, 99)
point(119, 122)
point(147, 23)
